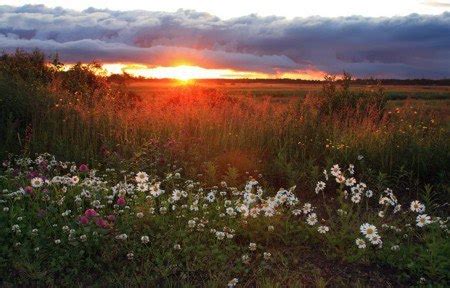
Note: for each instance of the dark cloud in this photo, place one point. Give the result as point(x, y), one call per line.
point(410, 46)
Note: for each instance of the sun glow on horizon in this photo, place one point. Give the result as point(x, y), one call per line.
point(182, 72)
point(186, 72)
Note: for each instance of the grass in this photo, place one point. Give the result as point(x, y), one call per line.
point(285, 91)
point(213, 140)
point(88, 227)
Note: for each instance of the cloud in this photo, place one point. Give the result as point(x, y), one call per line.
point(436, 3)
point(87, 50)
point(403, 47)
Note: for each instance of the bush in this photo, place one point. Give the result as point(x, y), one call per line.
point(46, 107)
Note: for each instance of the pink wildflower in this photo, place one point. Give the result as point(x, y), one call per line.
point(28, 189)
point(101, 223)
point(90, 213)
point(84, 220)
point(83, 168)
point(121, 201)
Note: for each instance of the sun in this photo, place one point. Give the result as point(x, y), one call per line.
point(185, 73)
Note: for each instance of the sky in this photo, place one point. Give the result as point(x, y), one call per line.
point(287, 8)
point(238, 39)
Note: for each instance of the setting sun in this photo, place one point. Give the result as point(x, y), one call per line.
point(182, 72)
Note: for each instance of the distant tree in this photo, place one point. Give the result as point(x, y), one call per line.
point(56, 63)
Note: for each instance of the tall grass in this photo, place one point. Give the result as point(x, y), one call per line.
point(80, 115)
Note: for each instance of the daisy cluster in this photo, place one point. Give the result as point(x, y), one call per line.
point(48, 202)
point(355, 198)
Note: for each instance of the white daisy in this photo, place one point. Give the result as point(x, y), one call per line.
point(311, 219)
point(351, 169)
point(145, 239)
point(325, 173)
point(233, 282)
point(245, 259)
point(360, 243)
point(335, 170)
point(37, 182)
point(340, 178)
point(142, 187)
point(356, 198)
point(320, 186)
point(323, 229)
point(375, 239)
point(418, 207)
point(307, 207)
point(368, 230)
point(141, 177)
point(423, 220)
point(220, 235)
point(267, 255)
point(191, 223)
point(350, 181)
point(74, 180)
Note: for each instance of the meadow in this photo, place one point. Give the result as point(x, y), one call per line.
point(263, 88)
point(120, 182)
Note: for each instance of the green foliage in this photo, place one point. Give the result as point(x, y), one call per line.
point(338, 99)
point(77, 113)
point(45, 241)
point(44, 107)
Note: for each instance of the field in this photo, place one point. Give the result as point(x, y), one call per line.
point(394, 92)
point(432, 95)
point(118, 182)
